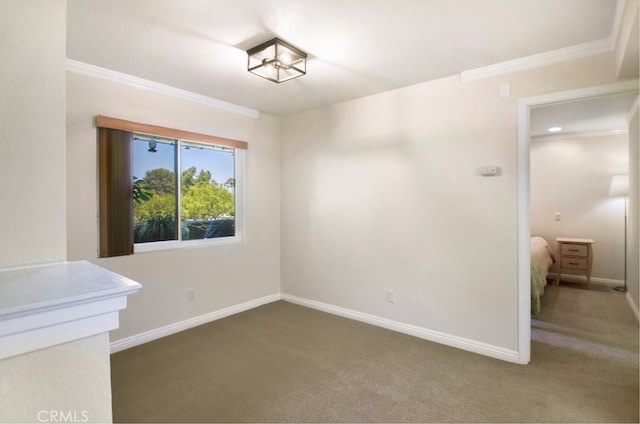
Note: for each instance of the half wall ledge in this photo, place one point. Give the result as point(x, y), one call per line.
point(47, 305)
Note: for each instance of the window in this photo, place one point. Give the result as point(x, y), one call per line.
point(161, 187)
point(182, 181)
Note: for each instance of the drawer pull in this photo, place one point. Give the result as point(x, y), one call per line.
point(574, 263)
point(574, 250)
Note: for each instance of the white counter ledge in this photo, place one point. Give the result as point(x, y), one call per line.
point(46, 305)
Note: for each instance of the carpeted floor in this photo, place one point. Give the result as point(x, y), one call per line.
point(285, 363)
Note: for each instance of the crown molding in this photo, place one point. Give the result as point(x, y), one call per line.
point(581, 134)
point(538, 60)
point(554, 56)
point(122, 78)
point(617, 22)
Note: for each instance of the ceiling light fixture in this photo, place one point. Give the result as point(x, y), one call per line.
point(555, 129)
point(277, 61)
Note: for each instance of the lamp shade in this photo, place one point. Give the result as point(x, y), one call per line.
point(277, 61)
point(619, 186)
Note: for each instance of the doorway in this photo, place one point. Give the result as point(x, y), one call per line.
point(525, 107)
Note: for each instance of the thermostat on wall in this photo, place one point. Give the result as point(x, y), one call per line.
point(489, 171)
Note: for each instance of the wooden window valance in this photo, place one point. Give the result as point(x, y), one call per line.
point(135, 127)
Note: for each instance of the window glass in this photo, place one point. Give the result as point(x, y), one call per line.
point(208, 186)
point(203, 206)
point(154, 189)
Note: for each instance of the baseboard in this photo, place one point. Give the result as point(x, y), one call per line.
point(147, 336)
point(412, 330)
point(633, 306)
point(420, 332)
point(582, 279)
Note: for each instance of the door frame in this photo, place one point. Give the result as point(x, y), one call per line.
point(524, 197)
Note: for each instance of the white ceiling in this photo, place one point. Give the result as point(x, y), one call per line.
point(356, 47)
point(590, 115)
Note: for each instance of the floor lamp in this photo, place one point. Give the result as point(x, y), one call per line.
point(620, 188)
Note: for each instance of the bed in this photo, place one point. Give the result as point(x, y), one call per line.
point(541, 260)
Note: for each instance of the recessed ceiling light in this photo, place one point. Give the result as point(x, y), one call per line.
point(555, 129)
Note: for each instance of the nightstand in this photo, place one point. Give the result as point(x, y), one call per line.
point(575, 256)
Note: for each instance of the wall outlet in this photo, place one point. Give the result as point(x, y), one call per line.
point(191, 294)
point(391, 296)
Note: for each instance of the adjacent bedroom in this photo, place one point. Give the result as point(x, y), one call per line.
point(579, 153)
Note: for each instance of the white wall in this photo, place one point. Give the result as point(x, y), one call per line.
point(384, 193)
point(70, 380)
point(222, 276)
point(73, 377)
point(633, 230)
point(572, 176)
point(32, 132)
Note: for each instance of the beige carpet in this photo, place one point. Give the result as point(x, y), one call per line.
point(285, 363)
